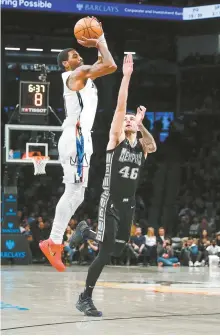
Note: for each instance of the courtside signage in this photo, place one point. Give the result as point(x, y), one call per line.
point(115, 9)
point(96, 8)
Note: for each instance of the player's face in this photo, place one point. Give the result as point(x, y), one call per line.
point(74, 60)
point(130, 124)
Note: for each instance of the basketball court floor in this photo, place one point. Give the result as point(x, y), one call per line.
point(37, 300)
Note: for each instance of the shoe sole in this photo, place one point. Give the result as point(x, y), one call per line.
point(79, 309)
point(45, 250)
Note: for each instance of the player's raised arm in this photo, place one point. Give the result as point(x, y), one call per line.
point(118, 119)
point(147, 140)
point(105, 66)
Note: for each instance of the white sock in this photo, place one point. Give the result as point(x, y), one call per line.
point(65, 209)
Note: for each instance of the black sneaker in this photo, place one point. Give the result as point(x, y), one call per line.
point(87, 307)
point(78, 236)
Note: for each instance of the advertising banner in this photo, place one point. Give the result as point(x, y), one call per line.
point(15, 248)
point(85, 8)
point(9, 205)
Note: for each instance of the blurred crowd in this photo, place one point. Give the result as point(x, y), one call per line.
point(143, 248)
point(200, 90)
point(199, 195)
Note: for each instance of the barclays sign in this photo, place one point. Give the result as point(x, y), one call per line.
point(97, 8)
point(10, 228)
point(10, 199)
point(10, 245)
point(11, 212)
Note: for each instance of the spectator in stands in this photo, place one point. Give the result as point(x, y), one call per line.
point(184, 226)
point(203, 244)
point(161, 236)
point(73, 223)
point(194, 230)
point(160, 239)
point(22, 227)
point(204, 235)
point(31, 218)
point(218, 238)
point(92, 249)
point(204, 225)
point(166, 255)
point(212, 250)
point(135, 246)
point(151, 246)
point(192, 255)
point(39, 233)
point(27, 230)
point(19, 215)
point(40, 219)
point(69, 251)
point(87, 252)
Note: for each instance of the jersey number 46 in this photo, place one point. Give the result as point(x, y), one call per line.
point(129, 173)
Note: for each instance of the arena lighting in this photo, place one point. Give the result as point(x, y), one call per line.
point(12, 48)
point(130, 52)
point(56, 50)
point(33, 49)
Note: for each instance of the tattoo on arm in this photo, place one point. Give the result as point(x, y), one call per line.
point(148, 142)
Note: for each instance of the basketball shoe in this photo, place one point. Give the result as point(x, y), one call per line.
point(53, 253)
point(87, 307)
point(82, 232)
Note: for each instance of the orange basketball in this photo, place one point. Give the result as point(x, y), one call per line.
point(88, 27)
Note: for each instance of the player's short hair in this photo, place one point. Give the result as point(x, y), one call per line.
point(63, 56)
point(131, 113)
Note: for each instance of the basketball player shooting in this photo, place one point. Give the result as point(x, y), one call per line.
point(124, 160)
point(75, 143)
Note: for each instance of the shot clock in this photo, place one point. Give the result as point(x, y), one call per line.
point(34, 98)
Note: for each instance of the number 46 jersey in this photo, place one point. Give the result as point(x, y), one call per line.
point(123, 168)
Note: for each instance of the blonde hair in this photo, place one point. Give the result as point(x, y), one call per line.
point(195, 240)
point(150, 232)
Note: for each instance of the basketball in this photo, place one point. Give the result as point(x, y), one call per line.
point(88, 27)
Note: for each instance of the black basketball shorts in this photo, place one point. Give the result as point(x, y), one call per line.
point(115, 219)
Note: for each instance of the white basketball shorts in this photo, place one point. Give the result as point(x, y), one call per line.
point(75, 166)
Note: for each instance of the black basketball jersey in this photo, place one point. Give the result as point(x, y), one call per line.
point(123, 167)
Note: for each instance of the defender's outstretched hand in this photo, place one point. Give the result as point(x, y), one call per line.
point(140, 114)
point(128, 65)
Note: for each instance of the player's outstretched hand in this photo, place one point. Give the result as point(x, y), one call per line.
point(88, 43)
point(140, 114)
point(128, 65)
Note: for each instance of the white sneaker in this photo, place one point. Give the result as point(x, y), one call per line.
point(197, 264)
point(203, 263)
point(191, 264)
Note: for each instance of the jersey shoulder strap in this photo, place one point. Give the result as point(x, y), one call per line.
point(65, 76)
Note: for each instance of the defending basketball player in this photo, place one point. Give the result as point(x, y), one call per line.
point(75, 144)
point(125, 158)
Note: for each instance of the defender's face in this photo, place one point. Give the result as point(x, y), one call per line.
point(130, 124)
point(74, 60)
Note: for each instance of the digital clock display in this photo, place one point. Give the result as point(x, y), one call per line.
point(34, 98)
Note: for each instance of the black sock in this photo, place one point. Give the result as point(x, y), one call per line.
point(87, 292)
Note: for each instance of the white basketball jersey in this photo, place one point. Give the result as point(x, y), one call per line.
point(80, 105)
